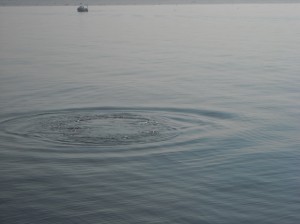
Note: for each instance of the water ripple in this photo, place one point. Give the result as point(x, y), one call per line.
point(111, 128)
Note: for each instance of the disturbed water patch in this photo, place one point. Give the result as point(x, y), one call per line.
point(99, 127)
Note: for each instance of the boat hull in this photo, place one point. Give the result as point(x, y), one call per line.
point(82, 9)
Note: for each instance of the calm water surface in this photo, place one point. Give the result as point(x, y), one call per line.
point(150, 114)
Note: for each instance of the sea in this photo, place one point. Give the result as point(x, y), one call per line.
point(156, 114)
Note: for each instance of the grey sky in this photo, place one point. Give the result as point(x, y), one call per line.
point(112, 2)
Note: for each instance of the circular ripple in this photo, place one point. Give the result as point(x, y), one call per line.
point(110, 126)
point(92, 127)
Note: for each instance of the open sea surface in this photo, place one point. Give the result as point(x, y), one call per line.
point(150, 114)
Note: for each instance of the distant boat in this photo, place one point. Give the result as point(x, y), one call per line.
point(82, 8)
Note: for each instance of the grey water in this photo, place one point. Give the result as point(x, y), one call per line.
point(150, 114)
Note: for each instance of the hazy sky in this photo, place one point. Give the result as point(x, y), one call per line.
point(99, 2)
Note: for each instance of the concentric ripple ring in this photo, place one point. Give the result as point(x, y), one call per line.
point(104, 127)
